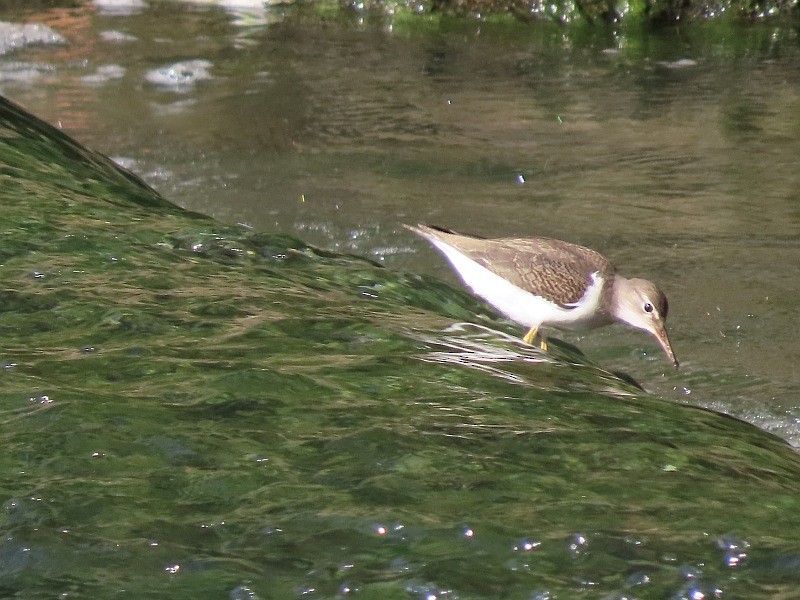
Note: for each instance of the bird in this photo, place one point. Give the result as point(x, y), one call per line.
point(542, 282)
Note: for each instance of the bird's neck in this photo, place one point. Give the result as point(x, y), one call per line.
point(620, 288)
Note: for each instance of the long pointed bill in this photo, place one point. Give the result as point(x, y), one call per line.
point(660, 333)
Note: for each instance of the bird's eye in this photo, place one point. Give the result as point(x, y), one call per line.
point(648, 308)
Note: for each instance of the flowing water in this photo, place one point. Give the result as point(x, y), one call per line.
point(195, 408)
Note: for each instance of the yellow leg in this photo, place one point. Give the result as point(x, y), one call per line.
point(531, 335)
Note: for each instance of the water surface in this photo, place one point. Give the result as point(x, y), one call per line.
point(672, 152)
point(195, 410)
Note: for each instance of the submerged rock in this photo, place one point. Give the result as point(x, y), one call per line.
point(14, 36)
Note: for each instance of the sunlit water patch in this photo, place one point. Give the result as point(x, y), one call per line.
point(120, 8)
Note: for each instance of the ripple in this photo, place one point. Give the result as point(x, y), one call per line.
point(104, 74)
point(180, 77)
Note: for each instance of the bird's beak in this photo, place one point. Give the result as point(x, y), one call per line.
point(660, 333)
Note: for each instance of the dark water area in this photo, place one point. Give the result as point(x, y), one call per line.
point(206, 406)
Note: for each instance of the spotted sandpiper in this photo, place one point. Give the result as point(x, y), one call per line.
point(542, 282)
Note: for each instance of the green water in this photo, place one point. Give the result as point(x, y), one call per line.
point(197, 411)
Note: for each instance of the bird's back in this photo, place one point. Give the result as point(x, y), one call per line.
point(553, 269)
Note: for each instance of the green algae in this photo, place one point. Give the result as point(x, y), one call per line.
point(649, 13)
point(191, 410)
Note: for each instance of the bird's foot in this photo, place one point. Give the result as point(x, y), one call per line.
point(531, 336)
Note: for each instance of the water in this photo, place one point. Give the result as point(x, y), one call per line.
point(195, 410)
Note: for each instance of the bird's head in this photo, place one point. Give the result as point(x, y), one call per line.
point(640, 304)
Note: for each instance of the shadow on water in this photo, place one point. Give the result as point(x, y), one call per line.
point(196, 411)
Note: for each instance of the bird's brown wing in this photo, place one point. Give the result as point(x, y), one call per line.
point(555, 270)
